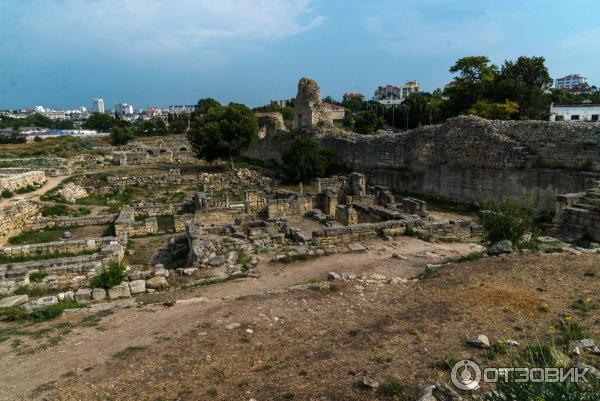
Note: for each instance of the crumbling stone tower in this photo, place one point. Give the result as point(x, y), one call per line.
point(309, 110)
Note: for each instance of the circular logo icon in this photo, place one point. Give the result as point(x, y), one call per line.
point(466, 375)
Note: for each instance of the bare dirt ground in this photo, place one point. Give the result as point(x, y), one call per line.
point(239, 343)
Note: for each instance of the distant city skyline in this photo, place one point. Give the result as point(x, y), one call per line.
point(64, 53)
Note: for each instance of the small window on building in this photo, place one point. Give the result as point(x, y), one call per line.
point(594, 117)
point(575, 117)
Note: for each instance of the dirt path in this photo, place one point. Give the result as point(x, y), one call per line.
point(86, 347)
point(51, 183)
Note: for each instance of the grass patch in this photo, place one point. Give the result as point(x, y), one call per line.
point(95, 319)
point(18, 313)
point(554, 249)
point(431, 272)
point(392, 387)
point(37, 237)
point(64, 210)
point(583, 305)
point(472, 257)
point(129, 352)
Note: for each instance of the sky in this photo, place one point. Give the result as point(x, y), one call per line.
point(63, 53)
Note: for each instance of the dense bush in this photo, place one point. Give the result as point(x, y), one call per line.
point(7, 193)
point(305, 160)
point(503, 221)
point(109, 277)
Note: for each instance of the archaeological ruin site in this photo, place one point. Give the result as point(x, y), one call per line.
point(142, 272)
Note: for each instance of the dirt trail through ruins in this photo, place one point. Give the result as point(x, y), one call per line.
point(51, 183)
point(86, 347)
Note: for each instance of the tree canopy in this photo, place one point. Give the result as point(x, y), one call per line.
point(99, 122)
point(305, 160)
point(367, 122)
point(223, 132)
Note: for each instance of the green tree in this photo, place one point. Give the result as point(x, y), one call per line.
point(178, 127)
point(152, 128)
point(524, 82)
point(495, 111)
point(38, 120)
point(474, 79)
point(204, 105)
point(64, 124)
point(306, 160)
point(100, 122)
point(121, 135)
point(223, 132)
point(367, 122)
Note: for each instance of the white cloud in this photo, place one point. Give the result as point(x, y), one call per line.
point(157, 26)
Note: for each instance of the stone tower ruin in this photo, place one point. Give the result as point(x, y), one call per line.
point(309, 110)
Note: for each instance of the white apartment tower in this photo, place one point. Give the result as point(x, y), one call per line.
point(98, 105)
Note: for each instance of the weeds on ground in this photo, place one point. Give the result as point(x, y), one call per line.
point(129, 352)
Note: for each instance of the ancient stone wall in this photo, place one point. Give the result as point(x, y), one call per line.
point(49, 248)
point(294, 206)
point(64, 221)
point(127, 226)
point(459, 229)
point(577, 215)
point(309, 110)
point(15, 218)
point(469, 158)
point(14, 179)
point(71, 192)
point(112, 249)
point(216, 217)
point(52, 166)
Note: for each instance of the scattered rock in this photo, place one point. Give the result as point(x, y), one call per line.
point(356, 247)
point(232, 326)
point(428, 394)
point(98, 294)
point(398, 255)
point(15, 300)
point(83, 294)
point(442, 392)
point(216, 261)
point(47, 301)
point(367, 382)
point(481, 341)
point(157, 283)
point(119, 291)
point(501, 247)
point(137, 286)
point(332, 276)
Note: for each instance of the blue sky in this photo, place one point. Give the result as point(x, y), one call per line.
point(63, 53)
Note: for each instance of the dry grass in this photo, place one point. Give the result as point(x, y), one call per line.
point(314, 344)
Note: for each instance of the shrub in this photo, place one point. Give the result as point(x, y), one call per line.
point(503, 221)
point(392, 387)
point(306, 160)
point(109, 277)
point(37, 277)
point(7, 193)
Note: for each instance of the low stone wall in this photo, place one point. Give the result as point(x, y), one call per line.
point(180, 221)
point(292, 207)
point(64, 221)
point(125, 225)
point(58, 247)
point(14, 179)
point(15, 218)
point(460, 229)
point(113, 250)
point(52, 166)
point(160, 209)
point(174, 177)
point(217, 217)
